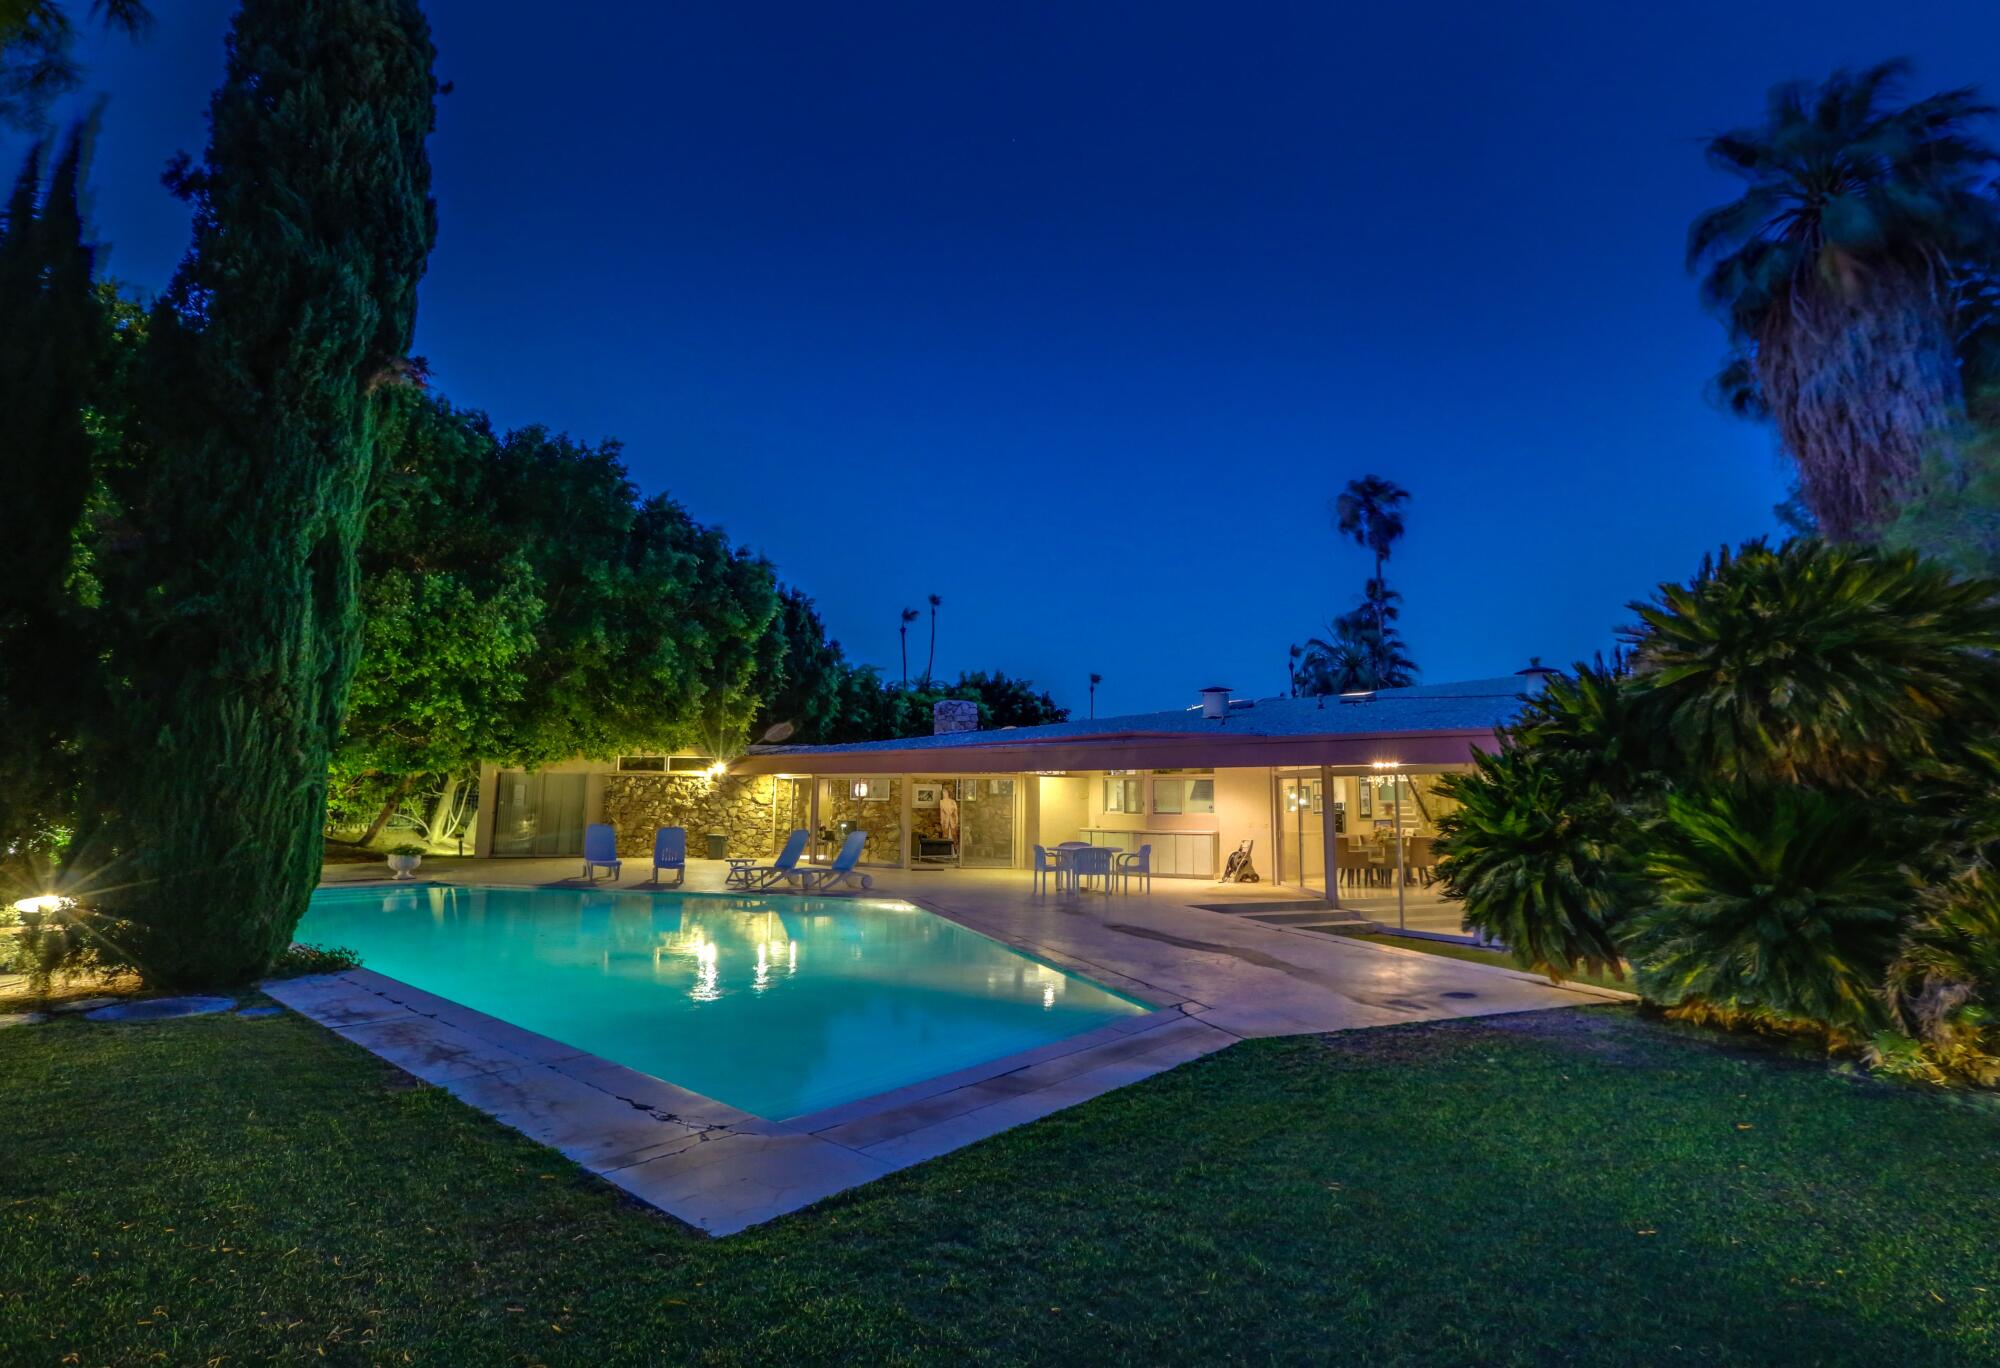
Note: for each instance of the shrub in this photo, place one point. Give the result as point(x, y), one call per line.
point(302, 958)
point(1772, 905)
point(1837, 665)
point(1944, 986)
point(1532, 852)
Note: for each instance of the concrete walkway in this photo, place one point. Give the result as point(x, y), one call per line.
point(1192, 949)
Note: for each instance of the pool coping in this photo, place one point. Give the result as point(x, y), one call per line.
point(715, 1167)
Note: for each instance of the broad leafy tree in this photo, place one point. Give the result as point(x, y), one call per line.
point(1840, 271)
point(266, 372)
point(524, 604)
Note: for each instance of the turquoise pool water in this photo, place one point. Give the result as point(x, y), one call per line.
point(776, 1005)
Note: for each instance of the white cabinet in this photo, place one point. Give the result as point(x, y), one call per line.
point(1176, 854)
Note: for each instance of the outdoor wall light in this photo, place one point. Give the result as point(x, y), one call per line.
point(1385, 764)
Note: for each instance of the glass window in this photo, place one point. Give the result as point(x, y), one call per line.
point(1124, 795)
point(689, 764)
point(1184, 795)
point(642, 764)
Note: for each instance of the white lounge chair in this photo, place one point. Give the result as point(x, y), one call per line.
point(600, 850)
point(784, 869)
point(670, 851)
point(841, 871)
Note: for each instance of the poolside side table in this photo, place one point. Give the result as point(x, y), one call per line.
point(739, 872)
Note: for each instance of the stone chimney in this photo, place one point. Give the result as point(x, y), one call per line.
point(954, 715)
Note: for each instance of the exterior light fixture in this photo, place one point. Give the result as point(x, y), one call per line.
point(718, 770)
point(1385, 764)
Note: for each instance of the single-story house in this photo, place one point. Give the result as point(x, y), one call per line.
point(1304, 785)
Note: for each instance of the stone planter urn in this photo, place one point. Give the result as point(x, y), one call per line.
point(405, 862)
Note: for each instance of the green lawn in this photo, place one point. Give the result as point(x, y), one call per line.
point(1586, 1186)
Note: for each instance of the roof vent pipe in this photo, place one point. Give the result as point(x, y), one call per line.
point(1215, 701)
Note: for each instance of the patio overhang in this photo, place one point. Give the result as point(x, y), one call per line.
point(1405, 751)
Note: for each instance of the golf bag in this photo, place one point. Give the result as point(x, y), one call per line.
point(1239, 869)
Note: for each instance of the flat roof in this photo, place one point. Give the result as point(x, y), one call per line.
point(1438, 724)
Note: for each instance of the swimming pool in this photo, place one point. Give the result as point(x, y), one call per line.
point(778, 1006)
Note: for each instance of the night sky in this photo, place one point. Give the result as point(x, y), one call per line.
point(1077, 314)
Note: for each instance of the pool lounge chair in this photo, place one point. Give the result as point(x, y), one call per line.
point(841, 873)
point(784, 869)
point(670, 851)
point(600, 848)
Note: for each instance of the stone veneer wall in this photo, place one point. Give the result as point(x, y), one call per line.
point(881, 819)
point(744, 807)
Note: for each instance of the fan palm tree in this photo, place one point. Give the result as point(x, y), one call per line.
point(910, 615)
point(1835, 273)
point(1355, 656)
point(1369, 511)
point(931, 658)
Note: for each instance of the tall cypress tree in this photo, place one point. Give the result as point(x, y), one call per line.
point(52, 341)
point(266, 372)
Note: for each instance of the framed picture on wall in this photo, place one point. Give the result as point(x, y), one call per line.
point(925, 795)
point(1366, 807)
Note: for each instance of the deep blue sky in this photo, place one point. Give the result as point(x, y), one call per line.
point(1077, 314)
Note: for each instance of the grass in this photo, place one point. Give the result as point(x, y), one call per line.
point(1586, 1186)
point(1458, 950)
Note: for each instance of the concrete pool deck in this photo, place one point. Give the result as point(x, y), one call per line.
point(1216, 976)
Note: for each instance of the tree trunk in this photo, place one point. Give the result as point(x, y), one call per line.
point(1863, 380)
point(443, 811)
point(395, 800)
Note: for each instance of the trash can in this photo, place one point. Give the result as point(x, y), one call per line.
point(718, 845)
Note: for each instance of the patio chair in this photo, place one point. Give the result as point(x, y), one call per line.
point(784, 869)
point(841, 872)
point(1092, 862)
point(1048, 868)
point(670, 851)
point(1136, 865)
point(600, 848)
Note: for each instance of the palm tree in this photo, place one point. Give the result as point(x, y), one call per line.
point(903, 631)
point(1095, 680)
point(1369, 510)
point(1836, 272)
point(1292, 666)
point(1355, 656)
point(931, 659)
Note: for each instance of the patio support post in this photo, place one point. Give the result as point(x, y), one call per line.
point(1402, 876)
point(909, 819)
point(1329, 839)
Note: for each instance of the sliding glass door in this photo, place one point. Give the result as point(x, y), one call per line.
point(538, 814)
